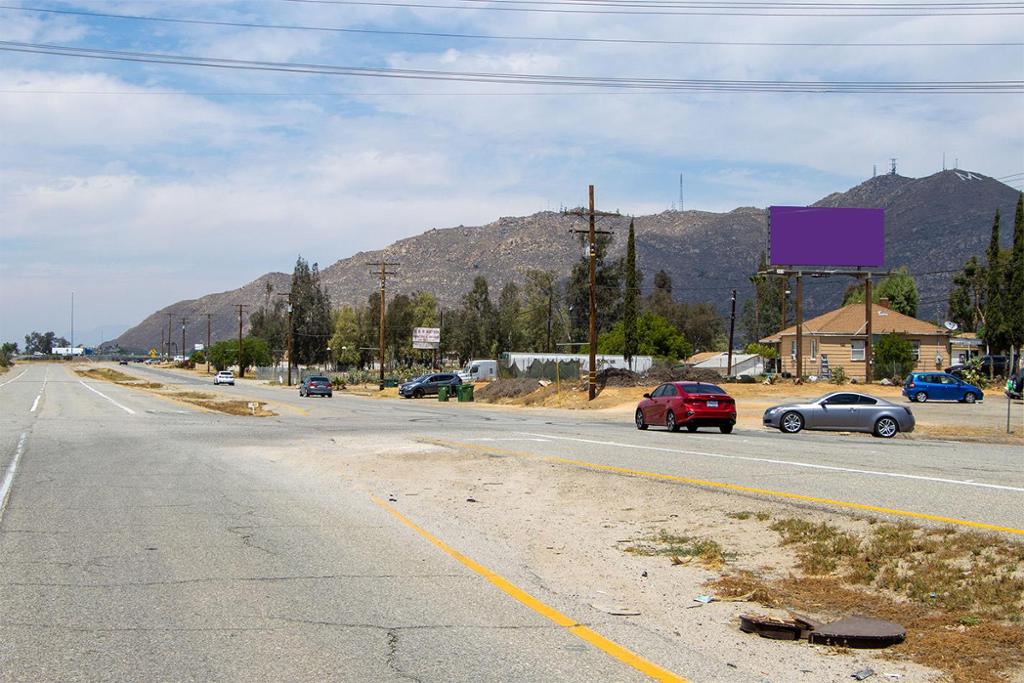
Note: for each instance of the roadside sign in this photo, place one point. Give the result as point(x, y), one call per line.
point(153, 353)
point(199, 347)
point(426, 337)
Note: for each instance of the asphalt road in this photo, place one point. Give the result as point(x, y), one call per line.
point(135, 543)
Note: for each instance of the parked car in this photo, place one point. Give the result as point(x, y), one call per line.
point(842, 412)
point(940, 386)
point(316, 385)
point(986, 365)
point(479, 370)
point(224, 377)
point(1015, 385)
point(429, 384)
point(687, 404)
point(122, 362)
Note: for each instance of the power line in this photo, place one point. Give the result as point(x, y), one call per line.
point(707, 9)
point(608, 82)
point(483, 36)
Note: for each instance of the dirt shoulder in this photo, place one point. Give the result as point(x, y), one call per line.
point(639, 552)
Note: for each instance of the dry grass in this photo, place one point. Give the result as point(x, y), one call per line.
point(234, 408)
point(108, 375)
point(708, 551)
point(197, 398)
point(199, 395)
point(960, 595)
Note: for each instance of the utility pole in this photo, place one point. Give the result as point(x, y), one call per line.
point(732, 327)
point(289, 295)
point(384, 272)
point(867, 329)
point(207, 354)
point(72, 321)
point(592, 234)
point(241, 368)
point(170, 318)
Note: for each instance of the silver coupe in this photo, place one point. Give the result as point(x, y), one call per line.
point(842, 411)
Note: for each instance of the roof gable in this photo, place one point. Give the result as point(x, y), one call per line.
point(849, 319)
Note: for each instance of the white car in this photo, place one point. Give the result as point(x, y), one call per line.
point(225, 377)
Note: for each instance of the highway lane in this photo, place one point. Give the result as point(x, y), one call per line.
point(974, 482)
point(138, 544)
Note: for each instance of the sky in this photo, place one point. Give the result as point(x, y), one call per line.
point(138, 184)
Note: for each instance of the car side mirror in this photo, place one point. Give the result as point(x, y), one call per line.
point(647, 395)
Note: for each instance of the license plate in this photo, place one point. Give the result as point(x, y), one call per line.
point(712, 404)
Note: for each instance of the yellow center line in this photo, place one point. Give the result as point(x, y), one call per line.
point(731, 487)
point(579, 630)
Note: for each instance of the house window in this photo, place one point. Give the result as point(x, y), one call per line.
point(792, 350)
point(857, 349)
point(917, 350)
point(814, 349)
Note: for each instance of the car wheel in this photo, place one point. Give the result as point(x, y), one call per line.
point(791, 422)
point(691, 428)
point(725, 429)
point(886, 427)
point(639, 419)
point(670, 422)
point(418, 393)
point(970, 397)
point(920, 397)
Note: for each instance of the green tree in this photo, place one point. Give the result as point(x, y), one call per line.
point(994, 330)
point(399, 319)
point(7, 351)
point(510, 335)
point(656, 336)
point(345, 337)
point(630, 300)
point(311, 315)
point(761, 316)
point(224, 354)
point(477, 321)
point(894, 354)
point(660, 301)
point(966, 296)
point(270, 323)
point(899, 288)
point(1015, 282)
point(702, 326)
point(541, 322)
point(43, 343)
point(424, 305)
point(607, 291)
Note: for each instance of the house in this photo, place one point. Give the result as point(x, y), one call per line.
point(836, 339)
point(742, 363)
point(965, 346)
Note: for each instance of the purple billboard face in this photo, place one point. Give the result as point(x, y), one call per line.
point(813, 236)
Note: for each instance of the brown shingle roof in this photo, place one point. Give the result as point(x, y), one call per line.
point(850, 320)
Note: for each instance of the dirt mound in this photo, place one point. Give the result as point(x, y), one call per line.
point(681, 373)
point(506, 388)
point(619, 377)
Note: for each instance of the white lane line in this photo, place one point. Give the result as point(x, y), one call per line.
point(791, 463)
point(5, 487)
point(3, 384)
point(35, 403)
point(125, 409)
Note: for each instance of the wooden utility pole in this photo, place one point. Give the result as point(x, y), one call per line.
point(183, 321)
point(207, 354)
point(732, 327)
point(867, 326)
point(783, 286)
point(592, 234)
point(383, 272)
point(799, 325)
point(170, 318)
point(241, 368)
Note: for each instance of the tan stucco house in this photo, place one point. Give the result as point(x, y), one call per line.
point(836, 339)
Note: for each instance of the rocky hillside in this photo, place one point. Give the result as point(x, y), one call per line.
point(932, 224)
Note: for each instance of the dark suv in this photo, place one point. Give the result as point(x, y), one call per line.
point(316, 385)
point(999, 365)
point(427, 385)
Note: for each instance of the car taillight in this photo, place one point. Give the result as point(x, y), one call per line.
point(911, 385)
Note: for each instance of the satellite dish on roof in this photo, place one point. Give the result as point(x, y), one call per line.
point(951, 326)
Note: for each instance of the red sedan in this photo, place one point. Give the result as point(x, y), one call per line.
point(687, 404)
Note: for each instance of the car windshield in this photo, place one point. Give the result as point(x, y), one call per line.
point(702, 388)
point(318, 379)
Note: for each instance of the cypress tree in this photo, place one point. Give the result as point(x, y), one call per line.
point(995, 323)
point(1015, 282)
point(631, 300)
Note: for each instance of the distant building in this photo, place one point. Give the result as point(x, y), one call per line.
point(836, 339)
point(742, 363)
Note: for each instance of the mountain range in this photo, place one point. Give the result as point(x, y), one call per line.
point(932, 225)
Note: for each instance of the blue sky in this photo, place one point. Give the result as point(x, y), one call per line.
point(136, 185)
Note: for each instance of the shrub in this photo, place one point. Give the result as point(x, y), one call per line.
point(838, 376)
point(894, 353)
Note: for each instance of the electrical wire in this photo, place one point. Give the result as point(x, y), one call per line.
point(603, 82)
point(697, 9)
point(482, 36)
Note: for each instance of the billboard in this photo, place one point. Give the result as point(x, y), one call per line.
point(426, 337)
point(818, 236)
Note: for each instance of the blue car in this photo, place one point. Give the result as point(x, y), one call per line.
point(940, 386)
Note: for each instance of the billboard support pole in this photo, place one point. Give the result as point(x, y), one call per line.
point(867, 329)
point(799, 325)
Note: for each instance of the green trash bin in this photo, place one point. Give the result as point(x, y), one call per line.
point(442, 393)
point(390, 382)
point(465, 392)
